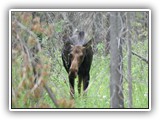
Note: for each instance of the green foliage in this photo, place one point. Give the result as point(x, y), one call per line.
point(98, 95)
point(140, 80)
point(100, 48)
point(59, 26)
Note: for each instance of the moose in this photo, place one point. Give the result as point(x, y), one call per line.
point(77, 57)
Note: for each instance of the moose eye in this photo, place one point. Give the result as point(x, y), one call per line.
point(70, 55)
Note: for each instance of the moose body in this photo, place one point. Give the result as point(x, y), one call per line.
point(77, 57)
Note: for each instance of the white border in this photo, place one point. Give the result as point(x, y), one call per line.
point(59, 10)
point(98, 109)
point(150, 77)
point(10, 59)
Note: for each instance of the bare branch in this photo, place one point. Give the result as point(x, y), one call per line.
point(142, 58)
point(51, 95)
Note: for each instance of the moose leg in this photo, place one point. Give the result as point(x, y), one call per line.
point(71, 81)
point(85, 83)
point(79, 84)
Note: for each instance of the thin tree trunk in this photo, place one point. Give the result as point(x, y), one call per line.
point(121, 102)
point(129, 62)
point(116, 94)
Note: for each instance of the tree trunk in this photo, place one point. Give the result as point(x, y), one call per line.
point(129, 62)
point(116, 94)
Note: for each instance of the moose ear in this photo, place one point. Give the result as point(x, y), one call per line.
point(81, 35)
point(88, 44)
point(66, 40)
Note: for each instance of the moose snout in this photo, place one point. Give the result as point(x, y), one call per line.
point(73, 72)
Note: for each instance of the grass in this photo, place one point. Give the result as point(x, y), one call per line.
point(98, 95)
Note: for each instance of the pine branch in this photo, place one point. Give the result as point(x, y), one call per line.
point(142, 58)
